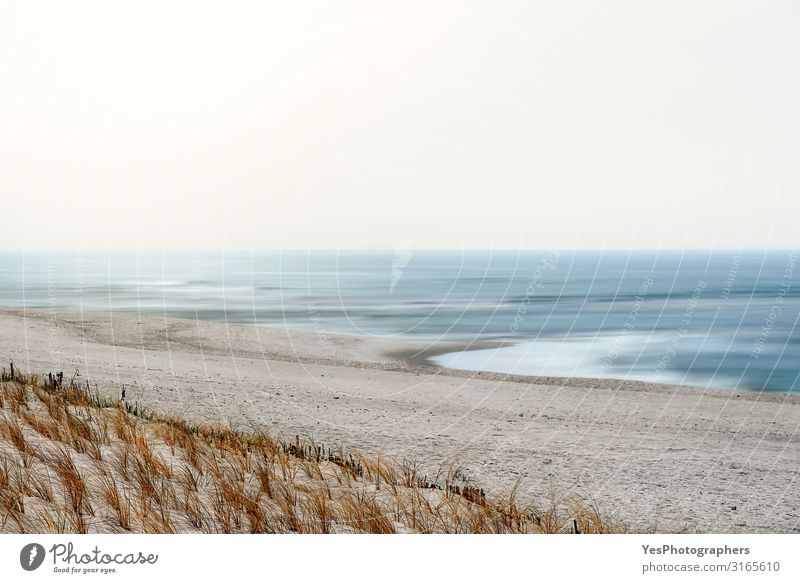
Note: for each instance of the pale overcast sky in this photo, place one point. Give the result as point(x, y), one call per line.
point(269, 125)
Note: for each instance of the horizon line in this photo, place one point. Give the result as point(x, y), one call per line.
point(393, 250)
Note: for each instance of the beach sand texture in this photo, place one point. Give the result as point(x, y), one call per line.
point(657, 457)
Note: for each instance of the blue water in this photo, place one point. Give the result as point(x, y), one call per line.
point(723, 319)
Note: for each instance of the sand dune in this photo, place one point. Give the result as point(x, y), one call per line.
point(657, 457)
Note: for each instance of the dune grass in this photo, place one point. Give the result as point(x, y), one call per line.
point(74, 461)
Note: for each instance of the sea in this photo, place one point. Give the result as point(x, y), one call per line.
point(709, 319)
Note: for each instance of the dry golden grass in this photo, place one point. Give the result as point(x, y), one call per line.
point(74, 461)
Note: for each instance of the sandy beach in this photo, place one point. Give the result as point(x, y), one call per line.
point(658, 457)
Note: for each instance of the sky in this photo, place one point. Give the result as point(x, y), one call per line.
point(159, 125)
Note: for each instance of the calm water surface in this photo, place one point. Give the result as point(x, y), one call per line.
point(710, 319)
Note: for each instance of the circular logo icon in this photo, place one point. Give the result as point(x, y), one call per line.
point(31, 556)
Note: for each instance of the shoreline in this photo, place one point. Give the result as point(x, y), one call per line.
point(418, 352)
point(423, 360)
point(661, 458)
